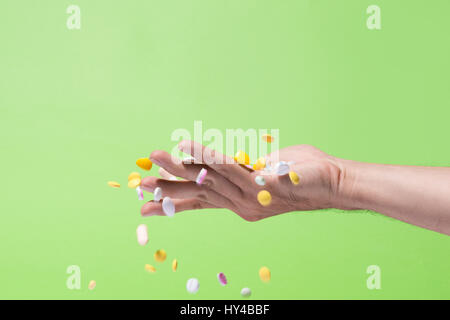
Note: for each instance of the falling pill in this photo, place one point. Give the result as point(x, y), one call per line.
point(114, 184)
point(144, 163)
point(150, 268)
point(174, 265)
point(201, 176)
point(260, 180)
point(157, 194)
point(246, 292)
point(92, 285)
point(134, 183)
point(295, 179)
point(192, 285)
point(260, 164)
point(134, 175)
point(222, 278)
point(267, 138)
point(264, 198)
point(242, 158)
point(264, 274)
point(168, 207)
point(142, 234)
point(160, 255)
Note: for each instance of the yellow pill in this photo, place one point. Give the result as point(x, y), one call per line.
point(242, 158)
point(260, 164)
point(295, 179)
point(264, 198)
point(264, 274)
point(92, 285)
point(144, 163)
point(114, 184)
point(150, 268)
point(267, 138)
point(174, 265)
point(134, 175)
point(160, 255)
point(134, 183)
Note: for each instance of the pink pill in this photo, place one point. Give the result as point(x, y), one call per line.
point(140, 193)
point(201, 176)
point(222, 279)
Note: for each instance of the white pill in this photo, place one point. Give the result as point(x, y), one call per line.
point(260, 180)
point(246, 292)
point(142, 234)
point(281, 168)
point(157, 194)
point(168, 207)
point(192, 285)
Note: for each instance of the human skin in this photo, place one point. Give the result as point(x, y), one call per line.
point(416, 195)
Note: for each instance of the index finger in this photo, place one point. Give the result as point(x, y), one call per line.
point(222, 164)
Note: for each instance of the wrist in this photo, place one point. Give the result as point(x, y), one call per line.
point(346, 185)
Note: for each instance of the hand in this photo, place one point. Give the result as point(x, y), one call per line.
point(233, 186)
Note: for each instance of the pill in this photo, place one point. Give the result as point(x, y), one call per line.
point(242, 158)
point(281, 168)
point(134, 183)
point(201, 176)
point(174, 265)
point(142, 234)
point(246, 292)
point(92, 285)
point(295, 179)
point(144, 163)
point(260, 164)
point(264, 274)
point(192, 285)
point(140, 193)
point(160, 255)
point(264, 198)
point(168, 207)
point(260, 180)
point(222, 279)
point(134, 175)
point(114, 184)
point(157, 194)
point(267, 138)
point(150, 268)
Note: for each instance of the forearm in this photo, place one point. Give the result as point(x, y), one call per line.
point(417, 195)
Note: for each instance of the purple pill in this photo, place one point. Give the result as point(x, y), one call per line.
point(222, 279)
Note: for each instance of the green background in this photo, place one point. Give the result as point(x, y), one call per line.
point(78, 107)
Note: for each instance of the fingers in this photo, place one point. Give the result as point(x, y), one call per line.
point(170, 167)
point(222, 164)
point(152, 208)
point(186, 190)
point(166, 175)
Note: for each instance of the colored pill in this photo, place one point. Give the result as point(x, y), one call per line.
point(140, 193)
point(281, 168)
point(144, 163)
point(134, 183)
point(246, 292)
point(260, 180)
point(134, 175)
point(150, 268)
point(264, 274)
point(295, 179)
point(92, 285)
point(192, 285)
point(168, 207)
point(222, 279)
point(157, 194)
point(201, 176)
point(264, 198)
point(267, 138)
point(174, 265)
point(160, 255)
point(114, 184)
point(260, 164)
point(142, 234)
point(242, 158)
